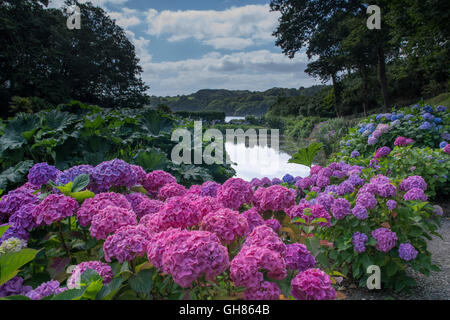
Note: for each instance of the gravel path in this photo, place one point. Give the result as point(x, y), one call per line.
point(434, 287)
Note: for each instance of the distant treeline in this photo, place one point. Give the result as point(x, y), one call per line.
point(234, 102)
point(202, 115)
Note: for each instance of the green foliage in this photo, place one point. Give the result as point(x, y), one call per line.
point(306, 155)
point(202, 115)
point(42, 58)
point(76, 134)
point(10, 263)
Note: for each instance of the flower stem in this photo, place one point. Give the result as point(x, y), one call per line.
point(63, 241)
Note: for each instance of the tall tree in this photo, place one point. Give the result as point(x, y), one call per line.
point(40, 56)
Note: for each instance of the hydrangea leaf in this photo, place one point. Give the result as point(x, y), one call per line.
point(10, 263)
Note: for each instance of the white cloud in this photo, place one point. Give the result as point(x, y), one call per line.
point(141, 46)
point(126, 17)
point(255, 70)
point(235, 28)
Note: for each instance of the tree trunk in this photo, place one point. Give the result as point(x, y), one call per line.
point(364, 91)
point(383, 79)
point(336, 94)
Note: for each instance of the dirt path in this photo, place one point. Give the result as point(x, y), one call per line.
point(434, 287)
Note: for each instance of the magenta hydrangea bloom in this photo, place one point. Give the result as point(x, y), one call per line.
point(46, 289)
point(227, 224)
point(14, 287)
point(298, 257)
point(297, 211)
point(403, 142)
point(254, 219)
point(322, 181)
point(205, 205)
point(359, 241)
point(265, 236)
point(446, 149)
point(415, 194)
point(101, 268)
point(382, 152)
point(156, 180)
point(209, 189)
point(110, 219)
point(16, 199)
point(367, 200)
point(188, 255)
point(23, 217)
point(135, 199)
point(360, 212)
point(70, 174)
point(255, 182)
point(266, 182)
point(305, 183)
point(114, 173)
point(407, 252)
point(339, 174)
point(127, 243)
point(274, 224)
point(257, 198)
point(171, 190)
point(247, 267)
point(194, 191)
point(326, 172)
point(177, 212)
point(42, 173)
point(312, 284)
point(386, 239)
point(92, 206)
point(276, 198)
point(54, 208)
point(148, 207)
point(140, 173)
point(315, 170)
point(266, 291)
point(413, 182)
point(326, 200)
point(234, 193)
point(340, 208)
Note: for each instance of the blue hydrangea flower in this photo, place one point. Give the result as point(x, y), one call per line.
point(443, 144)
point(288, 179)
point(425, 126)
point(428, 109)
point(437, 120)
point(441, 109)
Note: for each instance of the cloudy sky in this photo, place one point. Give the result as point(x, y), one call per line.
point(188, 45)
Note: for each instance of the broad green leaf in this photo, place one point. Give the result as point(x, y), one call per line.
point(151, 159)
point(16, 174)
point(3, 229)
point(83, 195)
point(80, 182)
point(306, 155)
point(10, 263)
point(142, 282)
point(110, 290)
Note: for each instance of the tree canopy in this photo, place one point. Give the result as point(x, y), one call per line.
point(41, 57)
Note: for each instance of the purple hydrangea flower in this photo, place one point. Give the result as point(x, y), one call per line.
point(340, 208)
point(391, 204)
point(360, 212)
point(114, 173)
point(386, 239)
point(359, 241)
point(42, 173)
point(298, 257)
point(46, 289)
point(415, 194)
point(367, 200)
point(407, 252)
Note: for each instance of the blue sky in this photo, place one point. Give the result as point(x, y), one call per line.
point(188, 45)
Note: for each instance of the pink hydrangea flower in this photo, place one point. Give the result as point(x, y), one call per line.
point(101, 268)
point(234, 193)
point(54, 208)
point(227, 224)
point(266, 291)
point(110, 219)
point(171, 190)
point(148, 207)
point(127, 243)
point(92, 206)
point(156, 180)
point(254, 219)
point(276, 198)
point(313, 284)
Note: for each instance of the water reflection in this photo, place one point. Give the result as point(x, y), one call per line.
point(262, 161)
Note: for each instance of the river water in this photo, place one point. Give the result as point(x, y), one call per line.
point(262, 161)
